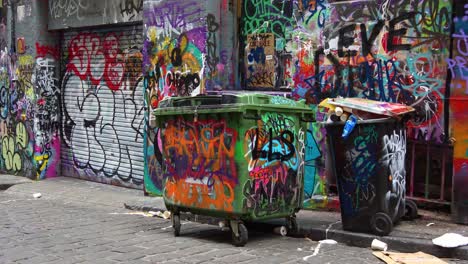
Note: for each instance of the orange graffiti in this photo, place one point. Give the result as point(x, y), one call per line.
point(205, 138)
point(220, 196)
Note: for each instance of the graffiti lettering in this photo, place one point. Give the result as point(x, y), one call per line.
point(395, 149)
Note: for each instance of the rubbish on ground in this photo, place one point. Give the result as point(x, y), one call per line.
point(317, 248)
point(135, 213)
point(450, 240)
point(222, 224)
point(407, 258)
point(165, 215)
point(379, 245)
point(371, 106)
point(430, 224)
point(328, 242)
point(281, 230)
point(349, 126)
point(37, 195)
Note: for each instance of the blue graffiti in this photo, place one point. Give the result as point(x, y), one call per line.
point(312, 153)
point(362, 164)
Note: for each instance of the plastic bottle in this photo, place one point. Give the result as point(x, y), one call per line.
point(349, 126)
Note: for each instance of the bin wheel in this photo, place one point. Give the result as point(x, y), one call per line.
point(381, 224)
point(176, 224)
point(411, 210)
point(292, 225)
point(241, 239)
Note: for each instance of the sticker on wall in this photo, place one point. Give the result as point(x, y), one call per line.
point(260, 62)
point(20, 45)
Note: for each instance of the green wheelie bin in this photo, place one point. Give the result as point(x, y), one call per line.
point(235, 157)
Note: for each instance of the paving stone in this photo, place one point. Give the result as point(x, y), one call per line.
point(39, 259)
point(237, 258)
point(70, 231)
point(128, 256)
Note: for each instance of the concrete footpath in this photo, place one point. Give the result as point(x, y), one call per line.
point(408, 236)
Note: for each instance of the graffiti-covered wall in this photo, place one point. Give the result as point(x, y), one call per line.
point(29, 95)
point(102, 105)
point(386, 50)
point(64, 14)
point(458, 114)
point(189, 48)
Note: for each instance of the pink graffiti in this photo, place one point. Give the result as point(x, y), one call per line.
point(269, 176)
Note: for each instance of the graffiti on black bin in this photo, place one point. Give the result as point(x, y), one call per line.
point(273, 162)
point(394, 148)
point(357, 188)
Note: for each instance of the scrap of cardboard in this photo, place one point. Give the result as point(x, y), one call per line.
point(371, 106)
point(408, 258)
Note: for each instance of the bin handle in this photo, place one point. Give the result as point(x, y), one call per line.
point(307, 120)
point(252, 116)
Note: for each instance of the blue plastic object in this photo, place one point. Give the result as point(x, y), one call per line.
point(349, 126)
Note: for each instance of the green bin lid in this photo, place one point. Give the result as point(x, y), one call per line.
point(211, 104)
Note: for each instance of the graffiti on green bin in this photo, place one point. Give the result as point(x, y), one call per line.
point(273, 159)
point(200, 170)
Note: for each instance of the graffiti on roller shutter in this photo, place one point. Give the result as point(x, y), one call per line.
point(103, 106)
point(200, 169)
point(273, 162)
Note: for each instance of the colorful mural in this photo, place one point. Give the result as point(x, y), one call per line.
point(383, 50)
point(188, 49)
point(458, 113)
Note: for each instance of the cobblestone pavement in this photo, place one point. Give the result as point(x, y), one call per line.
point(59, 231)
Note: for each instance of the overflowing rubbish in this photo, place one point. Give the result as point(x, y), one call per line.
point(350, 110)
point(379, 245)
point(352, 105)
point(375, 133)
point(450, 240)
point(407, 258)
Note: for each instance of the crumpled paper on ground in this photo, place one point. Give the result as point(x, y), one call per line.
point(450, 240)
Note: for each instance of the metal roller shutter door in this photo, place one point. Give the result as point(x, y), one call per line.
point(102, 105)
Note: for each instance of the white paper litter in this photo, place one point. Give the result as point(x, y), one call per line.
point(317, 249)
point(450, 240)
point(328, 242)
